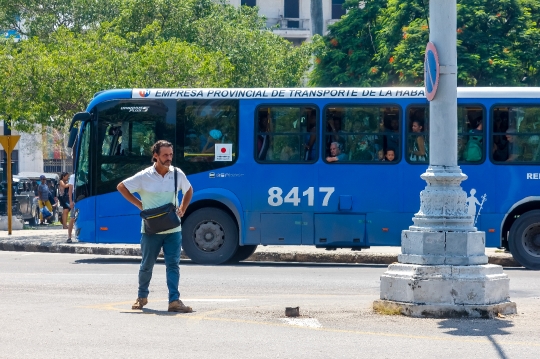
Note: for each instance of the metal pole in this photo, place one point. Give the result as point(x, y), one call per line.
point(8, 143)
point(443, 109)
point(9, 189)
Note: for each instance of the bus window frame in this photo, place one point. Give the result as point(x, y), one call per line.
point(406, 137)
point(491, 134)
point(484, 134)
point(180, 142)
point(294, 104)
point(372, 162)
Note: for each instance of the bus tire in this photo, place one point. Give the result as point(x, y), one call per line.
point(209, 236)
point(524, 241)
point(243, 253)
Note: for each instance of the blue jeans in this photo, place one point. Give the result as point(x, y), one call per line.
point(150, 246)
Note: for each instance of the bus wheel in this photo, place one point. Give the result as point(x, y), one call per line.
point(524, 240)
point(209, 236)
point(243, 253)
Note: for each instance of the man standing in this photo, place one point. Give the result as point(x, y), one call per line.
point(155, 185)
point(43, 199)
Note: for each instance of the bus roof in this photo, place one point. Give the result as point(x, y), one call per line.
point(308, 93)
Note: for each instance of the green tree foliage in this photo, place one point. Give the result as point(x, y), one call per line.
point(344, 56)
point(259, 58)
point(46, 83)
point(41, 18)
point(497, 44)
point(78, 47)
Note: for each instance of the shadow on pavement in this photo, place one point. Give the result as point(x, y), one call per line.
point(113, 260)
point(487, 328)
point(304, 264)
point(120, 260)
point(156, 312)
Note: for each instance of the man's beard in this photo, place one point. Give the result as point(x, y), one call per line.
point(166, 163)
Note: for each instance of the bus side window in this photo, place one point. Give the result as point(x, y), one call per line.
point(362, 134)
point(471, 142)
point(286, 134)
point(204, 129)
point(516, 134)
point(418, 134)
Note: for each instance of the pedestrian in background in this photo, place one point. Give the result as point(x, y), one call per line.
point(43, 199)
point(63, 197)
point(156, 187)
point(71, 186)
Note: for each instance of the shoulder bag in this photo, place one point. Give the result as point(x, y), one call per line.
point(162, 218)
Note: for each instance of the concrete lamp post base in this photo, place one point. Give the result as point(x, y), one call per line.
point(445, 311)
point(445, 291)
point(443, 270)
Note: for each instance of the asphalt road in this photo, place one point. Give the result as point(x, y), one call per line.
point(79, 306)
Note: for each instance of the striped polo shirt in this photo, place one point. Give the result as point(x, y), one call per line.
point(157, 190)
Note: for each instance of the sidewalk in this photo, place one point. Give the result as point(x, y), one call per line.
point(53, 240)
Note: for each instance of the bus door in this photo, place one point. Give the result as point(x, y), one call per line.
point(361, 145)
point(85, 203)
point(285, 178)
point(125, 132)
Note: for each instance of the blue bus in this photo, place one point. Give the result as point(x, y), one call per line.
point(326, 167)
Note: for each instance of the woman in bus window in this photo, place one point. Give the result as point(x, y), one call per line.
point(418, 152)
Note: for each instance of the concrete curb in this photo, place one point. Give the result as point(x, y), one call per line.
point(503, 259)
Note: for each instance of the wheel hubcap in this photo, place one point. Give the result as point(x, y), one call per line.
point(531, 240)
point(209, 236)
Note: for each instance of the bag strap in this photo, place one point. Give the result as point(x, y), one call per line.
point(175, 188)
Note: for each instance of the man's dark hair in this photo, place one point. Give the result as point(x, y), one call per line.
point(156, 147)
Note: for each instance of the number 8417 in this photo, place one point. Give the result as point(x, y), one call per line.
point(275, 196)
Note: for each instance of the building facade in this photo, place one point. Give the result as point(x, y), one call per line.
point(297, 20)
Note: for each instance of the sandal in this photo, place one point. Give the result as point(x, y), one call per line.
point(140, 303)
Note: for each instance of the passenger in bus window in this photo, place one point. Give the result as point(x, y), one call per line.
point(380, 155)
point(390, 155)
point(363, 152)
point(392, 141)
point(353, 140)
point(514, 149)
point(311, 136)
point(334, 126)
point(418, 151)
point(263, 138)
point(500, 125)
point(214, 136)
point(335, 153)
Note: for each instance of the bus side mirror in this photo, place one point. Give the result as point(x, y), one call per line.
point(72, 137)
point(79, 117)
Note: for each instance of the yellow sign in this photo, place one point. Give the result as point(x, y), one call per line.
point(8, 143)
